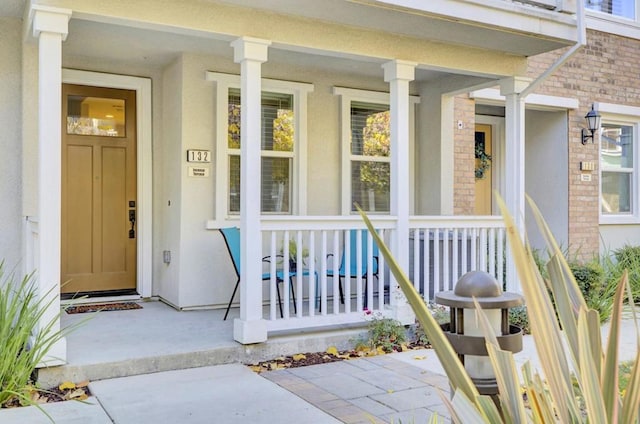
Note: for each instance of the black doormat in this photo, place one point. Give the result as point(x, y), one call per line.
point(122, 306)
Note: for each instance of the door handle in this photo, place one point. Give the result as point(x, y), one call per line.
point(132, 220)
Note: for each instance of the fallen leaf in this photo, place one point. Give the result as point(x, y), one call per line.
point(84, 383)
point(77, 394)
point(299, 356)
point(332, 350)
point(404, 347)
point(256, 368)
point(67, 385)
point(390, 391)
point(419, 358)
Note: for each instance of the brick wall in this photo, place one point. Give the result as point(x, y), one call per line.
point(464, 154)
point(605, 70)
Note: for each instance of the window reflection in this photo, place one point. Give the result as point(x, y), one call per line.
point(95, 116)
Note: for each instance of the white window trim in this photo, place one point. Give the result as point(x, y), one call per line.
point(299, 91)
point(348, 95)
point(605, 22)
point(626, 115)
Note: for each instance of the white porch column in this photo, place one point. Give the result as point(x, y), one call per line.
point(50, 27)
point(398, 74)
point(514, 161)
point(250, 327)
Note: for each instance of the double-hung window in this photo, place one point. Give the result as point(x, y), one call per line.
point(366, 149)
point(282, 145)
point(277, 151)
point(619, 167)
point(617, 164)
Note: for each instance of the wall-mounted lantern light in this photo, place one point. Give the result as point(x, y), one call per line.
point(593, 124)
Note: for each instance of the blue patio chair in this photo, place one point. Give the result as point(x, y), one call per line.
point(352, 272)
point(231, 237)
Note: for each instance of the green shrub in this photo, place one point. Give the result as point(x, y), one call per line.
point(628, 257)
point(598, 291)
point(24, 340)
point(518, 316)
point(386, 333)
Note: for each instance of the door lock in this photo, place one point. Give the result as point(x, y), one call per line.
point(132, 220)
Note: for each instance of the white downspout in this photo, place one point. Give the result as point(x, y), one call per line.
point(582, 41)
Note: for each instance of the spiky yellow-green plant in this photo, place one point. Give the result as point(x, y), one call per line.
point(552, 394)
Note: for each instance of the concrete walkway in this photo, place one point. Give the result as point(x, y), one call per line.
point(378, 389)
point(400, 387)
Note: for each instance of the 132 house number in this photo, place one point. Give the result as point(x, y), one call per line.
point(201, 156)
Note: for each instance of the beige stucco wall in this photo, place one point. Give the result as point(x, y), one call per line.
point(204, 272)
point(546, 158)
point(11, 247)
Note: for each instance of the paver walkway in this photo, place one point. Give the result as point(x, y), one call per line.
point(377, 389)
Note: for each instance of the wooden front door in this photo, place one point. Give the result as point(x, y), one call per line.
point(98, 189)
point(484, 174)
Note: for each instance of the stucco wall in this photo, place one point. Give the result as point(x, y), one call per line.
point(617, 236)
point(546, 172)
point(205, 273)
point(11, 223)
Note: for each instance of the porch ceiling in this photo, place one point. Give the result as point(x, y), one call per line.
point(156, 49)
point(499, 25)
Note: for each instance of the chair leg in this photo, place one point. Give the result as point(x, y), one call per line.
point(293, 294)
point(366, 292)
point(279, 299)
point(231, 300)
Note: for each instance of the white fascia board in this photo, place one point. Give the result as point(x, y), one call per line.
point(532, 101)
point(631, 111)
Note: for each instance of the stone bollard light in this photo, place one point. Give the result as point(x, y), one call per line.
point(465, 333)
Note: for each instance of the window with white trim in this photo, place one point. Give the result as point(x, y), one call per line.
point(620, 8)
point(283, 151)
point(366, 148)
point(617, 168)
point(277, 151)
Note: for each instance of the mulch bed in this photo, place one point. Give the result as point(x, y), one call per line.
point(63, 392)
point(316, 358)
point(102, 307)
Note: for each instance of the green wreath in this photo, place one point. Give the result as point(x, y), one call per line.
point(484, 161)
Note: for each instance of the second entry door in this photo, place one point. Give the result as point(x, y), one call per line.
point(99, 205)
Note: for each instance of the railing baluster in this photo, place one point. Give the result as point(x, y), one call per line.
point(474, 249)
point(415, 272)
point(299, 273)
point(455, 264)
point(501, 257)
point(483, 249)
point(285, 274)
point(436, 260)
point(380, 270)
point(426, 261)
point(492, 251)
point(312, 273)
point(336, 270)
point(273, 301)
point(465, 249)
point(445, 259)
point(323, 274)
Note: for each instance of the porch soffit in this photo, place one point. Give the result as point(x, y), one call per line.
point(211, 22)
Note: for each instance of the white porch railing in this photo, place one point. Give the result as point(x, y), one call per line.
point(309, 287)
point(444, 248)
point(305, 291)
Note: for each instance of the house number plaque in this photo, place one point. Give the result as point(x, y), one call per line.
point(199, 156)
